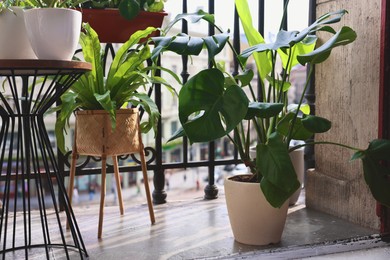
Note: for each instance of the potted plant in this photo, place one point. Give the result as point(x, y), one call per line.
point(105, 126)
point(126, 77)
point(53, 28)
point(213, 104)
point(14, 41)
point(115, 21)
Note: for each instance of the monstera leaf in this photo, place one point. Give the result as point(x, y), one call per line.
point(208, 110)
point(376, 166)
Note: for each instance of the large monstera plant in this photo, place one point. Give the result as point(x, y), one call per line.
point(213, 103)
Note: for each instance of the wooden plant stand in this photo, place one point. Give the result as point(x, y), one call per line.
point(94, 136)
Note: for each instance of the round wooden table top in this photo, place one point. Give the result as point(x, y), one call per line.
point(42, 67)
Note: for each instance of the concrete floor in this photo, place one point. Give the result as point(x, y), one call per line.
point(199, 229)
point(189, 227)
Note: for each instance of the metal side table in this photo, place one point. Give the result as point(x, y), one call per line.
point(31, 223)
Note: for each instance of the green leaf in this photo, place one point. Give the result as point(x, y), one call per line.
point(279, 180)
point(316, 124)
point(298, 131)
point(67, 107)
point(300, 48)
point(183, 44)
point(376, 166)
point(123, 56)
point(245, 78)
point(207, 110)
point(285, 85)
point(263, 63)
point(151, 108)
point(178, 134)
point(343, 37)
point(191, 17)
point(215, 44)
point(304, 108)
point(108, 105)
point(263, 110)
point(91, 49)
point(129, 8)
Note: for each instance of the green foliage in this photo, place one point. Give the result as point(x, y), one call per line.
point(274, 161)
point(376, 165)
point(126, 78)
point(54, 3)
point(213, 103)
point(6, 4)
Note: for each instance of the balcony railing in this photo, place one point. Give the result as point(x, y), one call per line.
point(155, 154)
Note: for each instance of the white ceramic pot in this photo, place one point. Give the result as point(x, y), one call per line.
point(253, 220)
point(53, 32)
point(13, 36)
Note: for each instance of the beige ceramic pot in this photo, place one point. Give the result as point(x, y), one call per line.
point(297, 160)
point(253, 220)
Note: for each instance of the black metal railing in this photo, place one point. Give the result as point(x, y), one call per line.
point(154, 154)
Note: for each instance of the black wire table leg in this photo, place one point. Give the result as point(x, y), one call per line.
point(31, 223)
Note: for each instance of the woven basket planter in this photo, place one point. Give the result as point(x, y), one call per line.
point(95, 136)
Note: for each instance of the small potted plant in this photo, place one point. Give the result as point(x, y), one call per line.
point(106, 124)
point(213, 104)
point(123, 84)
point(115, 21)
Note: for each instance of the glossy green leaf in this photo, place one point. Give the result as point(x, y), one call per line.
point(192, 17)
point(215, 44)
point(108, 105)
point(298, 131)
point(287, 39)
point(343, 37)
point(178, 134)
point(278, 84)
point(376, 166)
point(207, 110)
point(304, 108)
point(129, 8)
point(263, 110)
point(183, 44)
point(245, 78)
point(263, 63)
point(300, 48)
point(316, 124)
point(151, 108)
point(279, 180)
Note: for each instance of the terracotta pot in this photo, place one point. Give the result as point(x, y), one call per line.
point(253, 220)
point(111, 27)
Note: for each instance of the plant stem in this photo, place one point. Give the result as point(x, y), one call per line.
point(290, 132)
point(324, 142)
